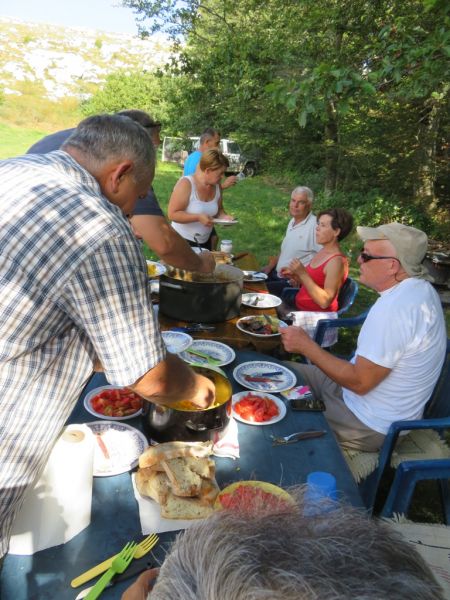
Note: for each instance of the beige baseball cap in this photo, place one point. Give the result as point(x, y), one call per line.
point(410, 243)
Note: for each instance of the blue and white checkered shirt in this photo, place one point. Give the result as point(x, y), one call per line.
point(73, 288)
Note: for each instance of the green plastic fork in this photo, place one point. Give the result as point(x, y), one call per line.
point(119, 564)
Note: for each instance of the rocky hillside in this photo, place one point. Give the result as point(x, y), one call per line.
point(64, 62)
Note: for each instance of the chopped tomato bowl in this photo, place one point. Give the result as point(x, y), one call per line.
point(256, 409)
point(117, 402)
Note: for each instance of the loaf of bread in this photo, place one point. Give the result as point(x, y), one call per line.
point(180, 476)
point(169, 450)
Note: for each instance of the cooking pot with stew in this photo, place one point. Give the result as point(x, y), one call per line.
point(184, 422)
point(201, 297)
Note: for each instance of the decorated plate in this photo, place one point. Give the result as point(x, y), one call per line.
point(155, 269)
point(254, 276)
point(225, 221)
point(117, 448)
point(176, 341)
point(124, 394)
point(247, 496)
point(220, 353)
point(279, 404)
point(260, 300)
point(264, 376)
point(267, 325)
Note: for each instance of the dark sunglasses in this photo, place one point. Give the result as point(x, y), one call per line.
point(365, 256)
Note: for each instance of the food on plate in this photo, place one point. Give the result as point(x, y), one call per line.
point(222, 258)
point(116, 402)
point(256, 409)
point(251, 496)
point(152, 269)
point(261, 325)
point(180, 476)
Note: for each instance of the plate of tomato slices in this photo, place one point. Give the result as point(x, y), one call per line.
point(257, 408)
point(113, 403)
point(251, 496)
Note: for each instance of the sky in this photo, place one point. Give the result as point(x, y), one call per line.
point(105, 15)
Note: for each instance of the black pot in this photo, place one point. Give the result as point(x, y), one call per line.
point(202, 300)
point(163, 424)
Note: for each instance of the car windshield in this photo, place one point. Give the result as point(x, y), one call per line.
point(233, 148)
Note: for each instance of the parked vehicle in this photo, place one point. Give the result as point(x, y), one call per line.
point(176, 149)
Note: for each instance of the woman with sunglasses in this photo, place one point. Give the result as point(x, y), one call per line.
point(322, 279)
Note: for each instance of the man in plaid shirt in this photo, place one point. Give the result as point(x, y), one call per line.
point(73, 294)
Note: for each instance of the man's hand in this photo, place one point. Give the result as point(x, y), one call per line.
point(208, 262)
point(296, 340)
point(273, 260)
point(229, 182)
point(142, 586)
point(205, 392)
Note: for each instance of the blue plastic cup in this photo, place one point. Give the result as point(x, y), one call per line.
point(321, 493)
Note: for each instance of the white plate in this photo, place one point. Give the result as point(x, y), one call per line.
point(160, 269)
point(285, 380)
point(254, 276)
point(262, 300)
point(176, 341)
point(225, 222)
point(88, 407)
point(280, 405)
point(124, 445)
point(260, 335)
point(220, 352)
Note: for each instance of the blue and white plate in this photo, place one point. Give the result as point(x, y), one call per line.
point(117, 447)
point(281, 378)
point(221, 353)
point(254, 276)
point(176, 341)
point(157, 268)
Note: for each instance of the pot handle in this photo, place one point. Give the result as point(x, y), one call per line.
point(173, 286)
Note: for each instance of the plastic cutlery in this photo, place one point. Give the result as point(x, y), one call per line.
point(141, 550)
point(211, 360)
point(119, 564)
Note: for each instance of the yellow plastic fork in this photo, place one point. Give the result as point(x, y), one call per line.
point(141, 550)
point(119, 564)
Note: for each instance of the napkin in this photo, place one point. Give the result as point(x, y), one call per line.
point(226, 443)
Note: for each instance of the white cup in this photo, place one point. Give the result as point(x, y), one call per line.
point(226, 246)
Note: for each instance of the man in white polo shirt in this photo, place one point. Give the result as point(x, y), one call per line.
point(401, 345)
point(299, 241)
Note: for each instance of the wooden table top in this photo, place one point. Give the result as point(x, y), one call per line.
point(226, 331)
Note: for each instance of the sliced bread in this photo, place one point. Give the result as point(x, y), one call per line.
point(155, 454)
point(205, 467)
point(153, 484)
point(183, 480)
point(184, 508)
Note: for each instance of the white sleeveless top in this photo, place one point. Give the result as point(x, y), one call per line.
point(196, 206)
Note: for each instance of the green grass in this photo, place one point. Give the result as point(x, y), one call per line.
point(15, 140)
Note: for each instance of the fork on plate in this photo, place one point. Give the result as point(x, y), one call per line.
point(119, 564)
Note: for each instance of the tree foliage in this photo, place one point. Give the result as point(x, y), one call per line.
point(356, 94)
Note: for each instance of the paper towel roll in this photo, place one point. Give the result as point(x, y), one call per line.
point(58, 506)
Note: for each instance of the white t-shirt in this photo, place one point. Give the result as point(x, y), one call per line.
point(299, 242)
point(197, 206)
point(404, 331)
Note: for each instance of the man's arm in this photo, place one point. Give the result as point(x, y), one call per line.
point(172, 381)
point(171, 247)
point(360, 377)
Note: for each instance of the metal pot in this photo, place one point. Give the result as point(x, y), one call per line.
point(164, 424)
point(199, 297)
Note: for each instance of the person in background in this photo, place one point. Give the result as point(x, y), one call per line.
point(284, 554)
point(401, 345)
point(74, 294)
point(197, 199)
point(299, 241)
point(148, 220)
point(321, 280)
point(209, 140)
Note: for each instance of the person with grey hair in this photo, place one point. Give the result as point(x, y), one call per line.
point(400, 350)
point(287, 555)
point(74, 294)
point(148, 219)
point(299, 241)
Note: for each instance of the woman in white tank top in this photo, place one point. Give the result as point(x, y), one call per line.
point(197, 199)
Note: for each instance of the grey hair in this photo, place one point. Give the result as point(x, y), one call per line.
point(286, 555)
point(104, 138)
point(302, 189)
point(208, 134)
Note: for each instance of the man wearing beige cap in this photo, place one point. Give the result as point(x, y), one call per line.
point(401, 345)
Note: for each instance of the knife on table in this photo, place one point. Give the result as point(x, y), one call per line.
point(133, 570)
